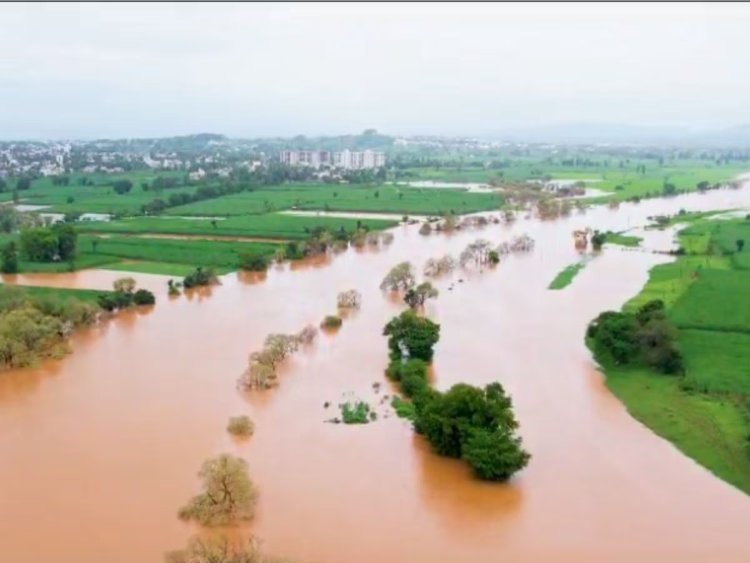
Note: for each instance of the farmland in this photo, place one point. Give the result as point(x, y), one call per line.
point(269, 226)
point(706, 411)
point(381, 199)
point(98, 198)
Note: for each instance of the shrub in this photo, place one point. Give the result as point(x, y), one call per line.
point(254, 262)
point(200, 277)
point(9, 258)
point(241, 426)
point(144, 297)
point(357, 413)
point(331, 322)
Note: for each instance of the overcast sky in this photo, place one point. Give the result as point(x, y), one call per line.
point(98, 70)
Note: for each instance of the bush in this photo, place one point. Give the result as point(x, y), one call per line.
point(241, 426)
point(254, 263)
point(144, 297)
point(331, 322)
point(199, 277)
point(9, 258)
point(357, 413)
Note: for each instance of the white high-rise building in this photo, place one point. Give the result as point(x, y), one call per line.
point(346, 159)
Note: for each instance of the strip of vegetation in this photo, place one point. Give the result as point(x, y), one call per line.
point(565, 277)
point(621, 239)
point(35, 322)
point(270, 226)
point(471, 423)
point(704, 408)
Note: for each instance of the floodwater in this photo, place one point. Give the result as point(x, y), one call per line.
point(98, 451)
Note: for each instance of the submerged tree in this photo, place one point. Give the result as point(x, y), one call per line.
point(351, 299)
point(415, 297)
point(436, 267)
point(476, 253)
point(228, 496)
point(401, 277)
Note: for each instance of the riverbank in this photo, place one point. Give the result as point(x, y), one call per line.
point(705, 412)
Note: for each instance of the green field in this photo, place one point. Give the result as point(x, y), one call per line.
point(565, 277)
point(716, 300)
point(269, 226)
point(171, 257)
point(705, 412)
point(99, 198)
point(383, 199)
point(64, 294)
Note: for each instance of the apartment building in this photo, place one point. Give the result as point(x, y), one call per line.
point(346, 159)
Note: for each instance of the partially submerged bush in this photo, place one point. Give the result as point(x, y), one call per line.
point(425, 229)
point(124, 296)
point(254, 262)
point(228, 496)
point(143, 297)
point(356, 413)
point(331, 322)
point(351, 299)
point(241, 426)
point(200, 277)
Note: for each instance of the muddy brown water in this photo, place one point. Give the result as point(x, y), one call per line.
point(99, 450)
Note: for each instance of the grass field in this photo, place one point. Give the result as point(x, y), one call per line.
point(171, 257)
point(269, 226)
point(90, 295)
point(716, 300)
point(706, 412)
point(384, 199)
point(99, 198)
point(565, 277)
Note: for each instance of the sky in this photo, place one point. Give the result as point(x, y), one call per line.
point(249, 70)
